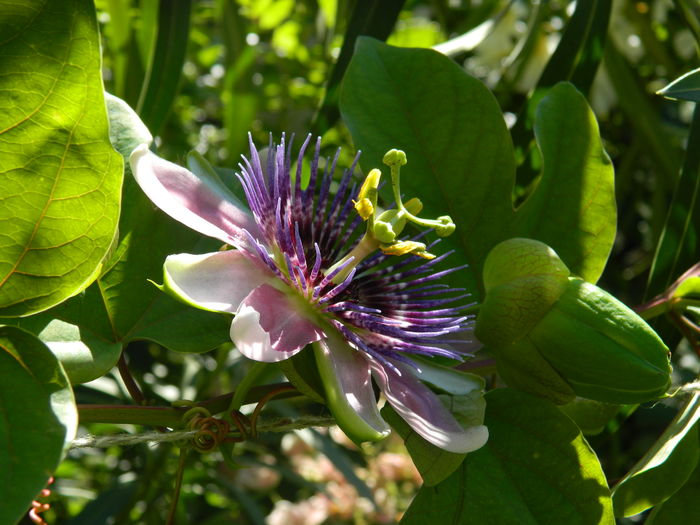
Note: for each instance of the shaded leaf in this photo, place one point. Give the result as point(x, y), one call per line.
point(664, 468)
point(165, 66)
point(61, 178)
point(457, 145)
point(39, 419)
point(679, 246)
point(682, 507)
point(686, 87)
point(536, 460)
point(590, 416)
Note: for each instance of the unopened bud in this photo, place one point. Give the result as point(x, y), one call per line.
point(555, 335)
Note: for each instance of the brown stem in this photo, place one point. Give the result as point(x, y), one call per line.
point(129, 381)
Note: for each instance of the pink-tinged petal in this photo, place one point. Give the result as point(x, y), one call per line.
point(216, 281)
point(348, 385)
point(424, 411)
point(201, 204)
point(268, 327)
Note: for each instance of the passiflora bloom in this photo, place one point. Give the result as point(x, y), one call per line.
point(315, 266)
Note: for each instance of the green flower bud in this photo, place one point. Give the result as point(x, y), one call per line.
point(557, 336)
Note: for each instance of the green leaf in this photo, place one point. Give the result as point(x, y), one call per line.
point(83, 355)
point(61, 178)
point(686, 87)
point(165, 67)
point(682, 507)
point(39, 419)
point(664, 468)
point(460, 157)
point(590, 416)
point(124, 305)
point(572, 208)
point(536, 468)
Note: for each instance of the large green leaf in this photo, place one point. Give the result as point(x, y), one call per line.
point(60, 176)
point(573, 206)
point(84, 355)
point(38, 420)
point(665, 467)
point(123, 306)
point(460, 156)
point(536, 468)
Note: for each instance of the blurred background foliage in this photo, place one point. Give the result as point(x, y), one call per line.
point(202, 74)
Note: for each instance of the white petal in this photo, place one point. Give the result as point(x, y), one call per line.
point(269, 328)
point(199, 203)
point(216, 281)
point(424, 411)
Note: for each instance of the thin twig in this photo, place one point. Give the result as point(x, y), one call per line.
point(266, 425)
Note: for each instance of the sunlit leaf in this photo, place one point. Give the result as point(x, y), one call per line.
point(61, 178)
point(83, 355)
point(590, 416)
point(572, 208)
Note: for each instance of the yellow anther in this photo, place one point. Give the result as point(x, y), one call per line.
point(366, 202)
point(370, 185)
point(406, 247)
point(364, 208)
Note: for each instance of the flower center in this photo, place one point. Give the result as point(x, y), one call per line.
point(385, 226)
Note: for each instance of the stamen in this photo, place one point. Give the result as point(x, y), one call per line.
point(443, 226)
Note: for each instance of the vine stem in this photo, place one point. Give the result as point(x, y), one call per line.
point(178, 486)
point(129, 381)
point(170, 416)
